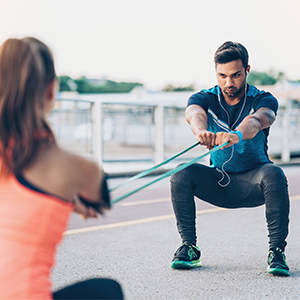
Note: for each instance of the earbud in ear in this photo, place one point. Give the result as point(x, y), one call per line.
point(247, 73)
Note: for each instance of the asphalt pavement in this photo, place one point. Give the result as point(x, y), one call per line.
point(135, 242)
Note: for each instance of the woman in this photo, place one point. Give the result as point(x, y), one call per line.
point(40, 183)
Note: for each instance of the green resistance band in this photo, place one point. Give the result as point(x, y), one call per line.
point(169, 173)
point(148, 171)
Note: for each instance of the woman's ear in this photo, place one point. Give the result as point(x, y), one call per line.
point(50, 94)
point(51, 90)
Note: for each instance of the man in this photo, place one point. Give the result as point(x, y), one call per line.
point(241, 174)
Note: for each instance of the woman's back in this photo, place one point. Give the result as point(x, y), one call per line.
point(63, 174)
point(32, 222)
point(31, 226)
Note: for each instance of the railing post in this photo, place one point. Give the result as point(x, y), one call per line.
point(159, 147)
point(285, 154)
point(97, 136)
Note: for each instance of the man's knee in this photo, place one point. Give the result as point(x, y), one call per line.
point(276, 190)
point(272, 174)
point(184, 176)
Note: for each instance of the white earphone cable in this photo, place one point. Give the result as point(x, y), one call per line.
point(232, 147)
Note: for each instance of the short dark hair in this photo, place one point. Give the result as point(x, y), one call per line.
point(230, 51)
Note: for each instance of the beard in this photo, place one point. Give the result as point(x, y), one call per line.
point(233, 91)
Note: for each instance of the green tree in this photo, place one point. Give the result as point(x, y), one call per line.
point(171, 88)
point(83, 86)
point(115, 87)
point(265, 78)
point(66, 83)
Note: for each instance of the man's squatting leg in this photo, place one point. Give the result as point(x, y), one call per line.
point(275, 189)
point(199, 180)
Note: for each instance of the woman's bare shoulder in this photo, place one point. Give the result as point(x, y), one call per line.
point(65, 174)
point(71, 160)
point(82, 174)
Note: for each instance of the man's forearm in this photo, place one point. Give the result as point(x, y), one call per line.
point(198, 123)
point(249, 127)
point(252, 124)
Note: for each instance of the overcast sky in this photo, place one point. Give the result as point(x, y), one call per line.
point(157, 41)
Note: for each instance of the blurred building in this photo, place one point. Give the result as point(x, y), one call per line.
point(285, 91)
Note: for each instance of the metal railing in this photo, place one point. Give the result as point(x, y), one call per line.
point(112, 132)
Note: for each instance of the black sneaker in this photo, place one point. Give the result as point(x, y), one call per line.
point(277, 263)
point(187, 256)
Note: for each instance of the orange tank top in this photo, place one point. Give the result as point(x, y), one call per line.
point(31, 226)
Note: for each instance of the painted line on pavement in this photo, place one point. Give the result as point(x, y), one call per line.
point(145, 202)
point(296, 197)
point(146, 220)
point(136, 222)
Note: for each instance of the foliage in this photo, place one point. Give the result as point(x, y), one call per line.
point(264, 78)
point(171, 88)
point(66, 83)
point(84, 85)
